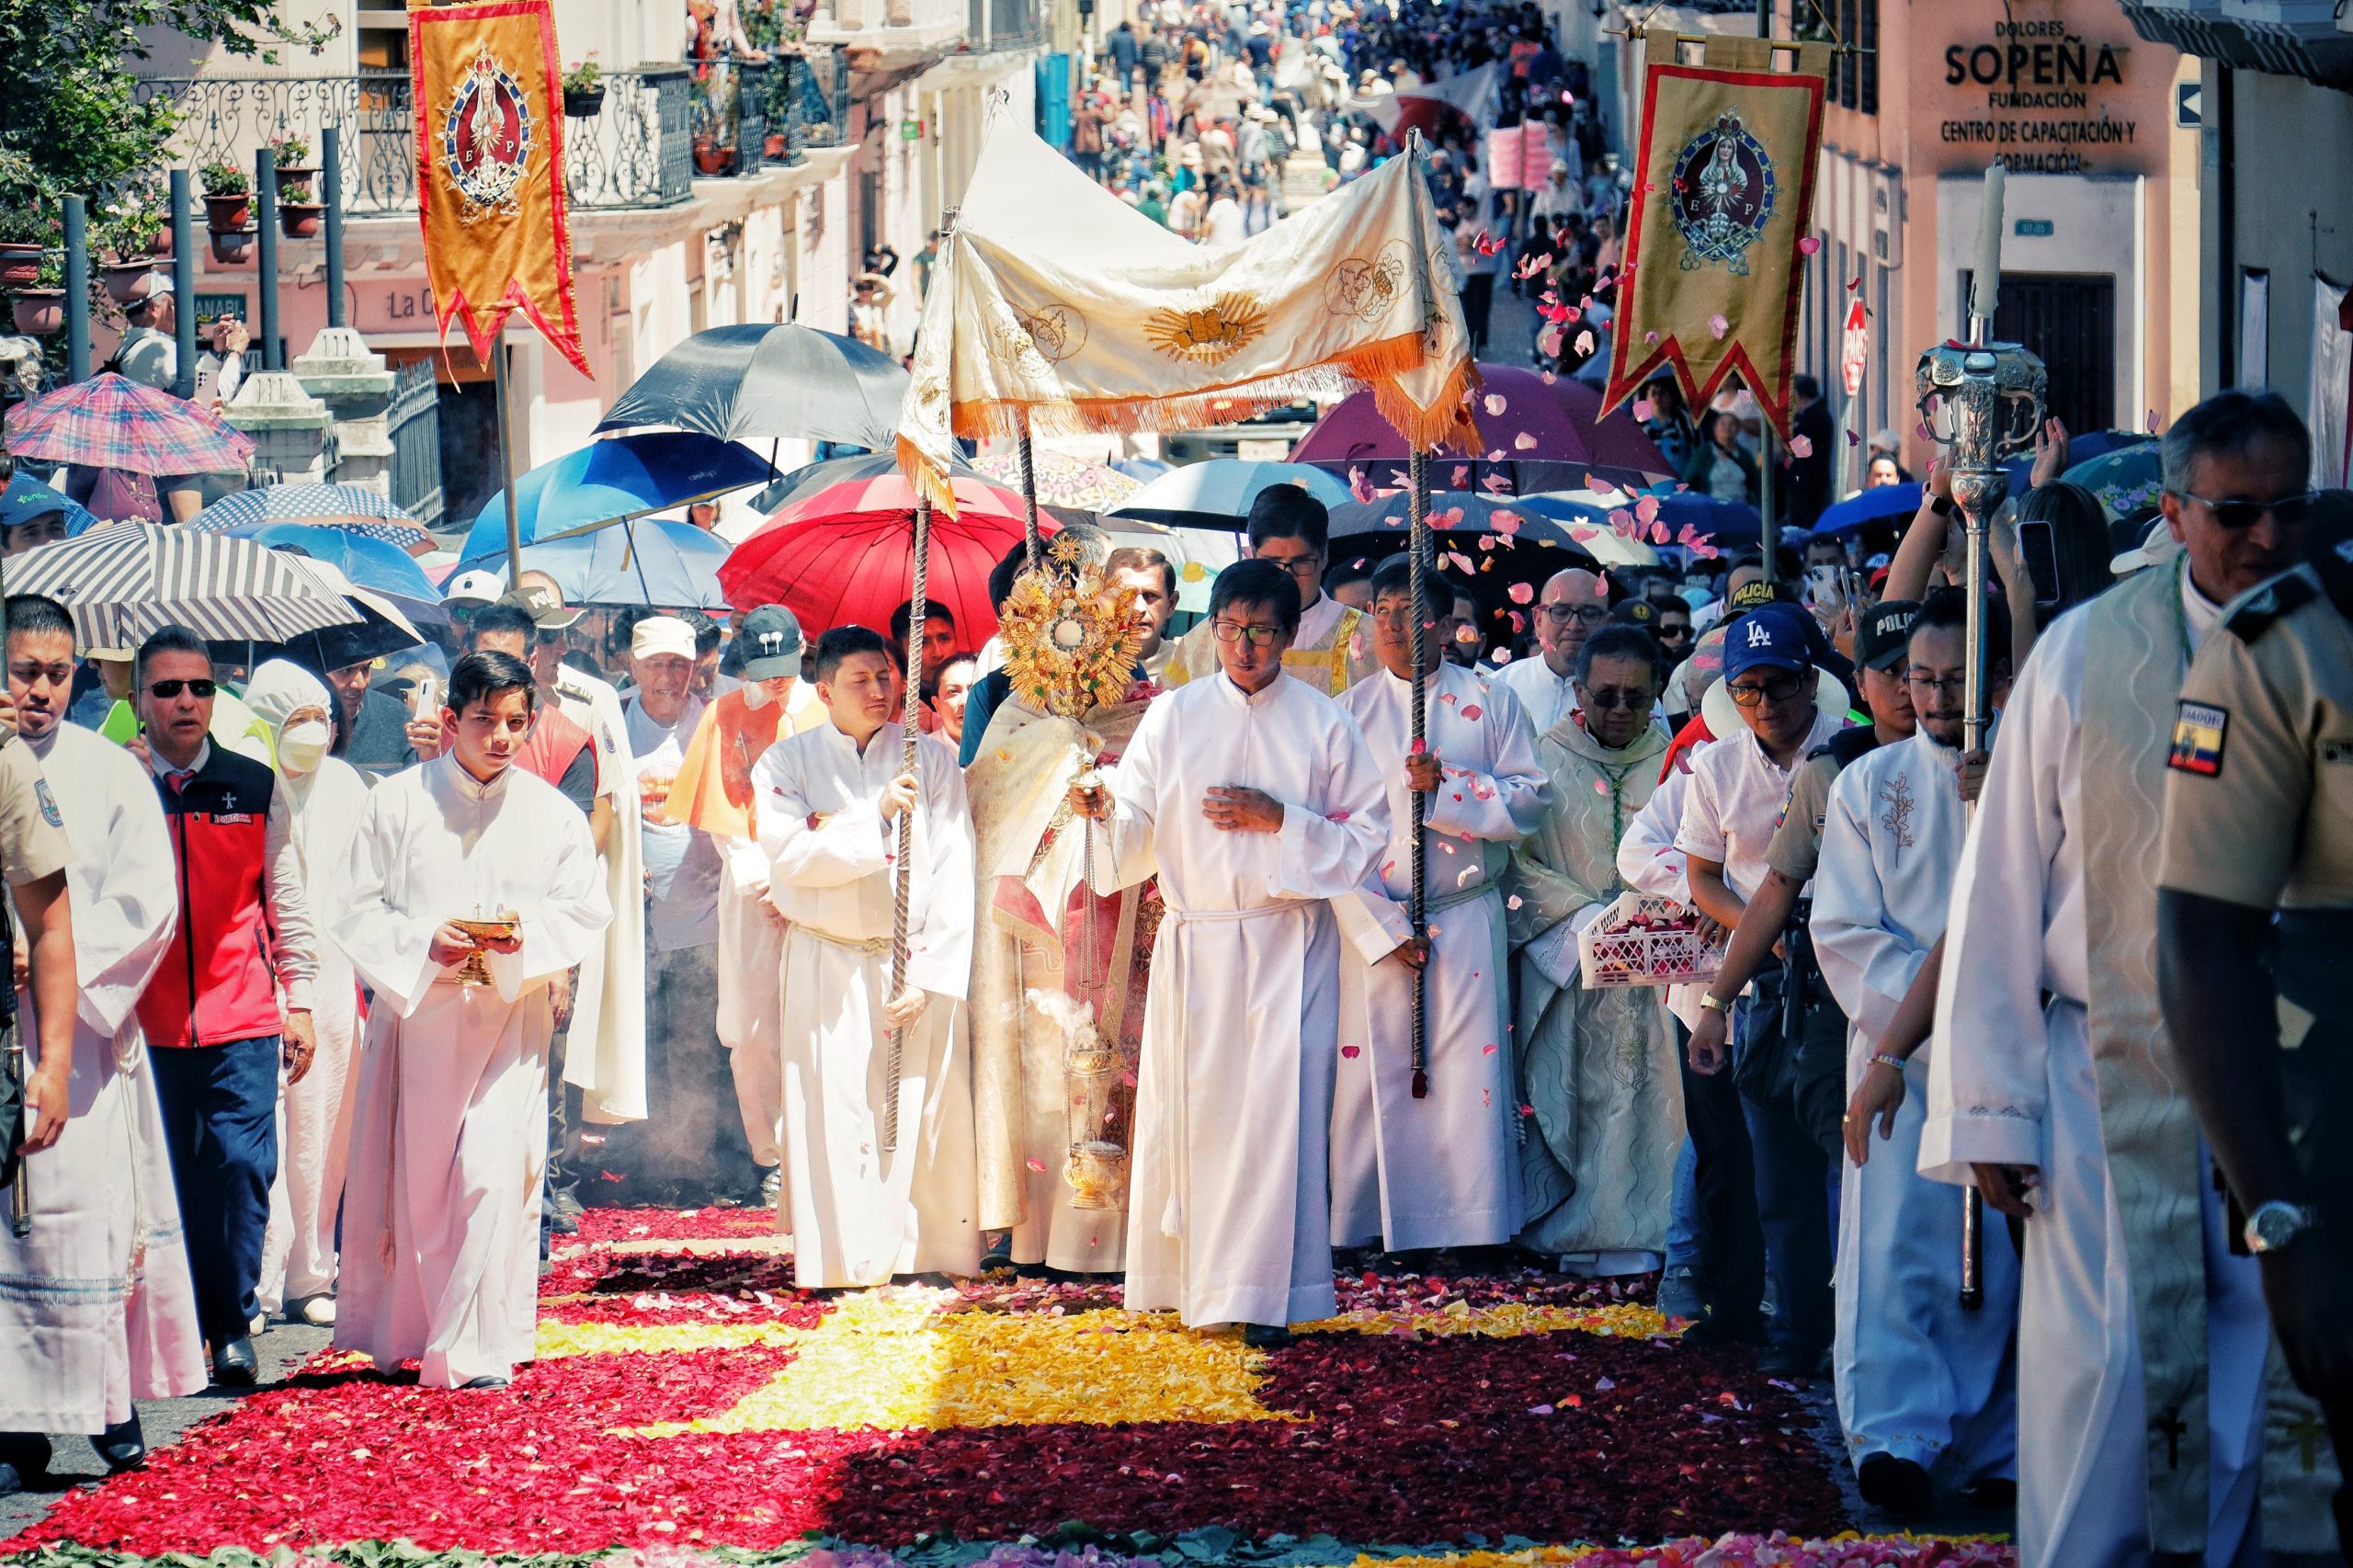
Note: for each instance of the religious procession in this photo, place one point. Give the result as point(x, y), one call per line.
point(1406, 818)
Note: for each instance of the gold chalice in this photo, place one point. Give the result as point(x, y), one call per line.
point(482, 932)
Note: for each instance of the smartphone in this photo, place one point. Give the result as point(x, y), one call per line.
point(1829, 587)
point(425, 697)
point(2039, 548)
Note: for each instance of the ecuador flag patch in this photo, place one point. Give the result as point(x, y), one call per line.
point(2198, 730)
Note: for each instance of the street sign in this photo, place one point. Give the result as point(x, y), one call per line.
point(2033, 228)
point(1853, 346)
point(2189, 104)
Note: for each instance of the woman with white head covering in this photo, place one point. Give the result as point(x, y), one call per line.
point(326, 793)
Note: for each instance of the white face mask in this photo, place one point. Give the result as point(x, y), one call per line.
point(301, 745)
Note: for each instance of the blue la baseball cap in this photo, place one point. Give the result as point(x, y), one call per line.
point(1776, 636)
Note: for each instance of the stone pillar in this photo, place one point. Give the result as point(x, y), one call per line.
point(356, 385)
point(289, 425)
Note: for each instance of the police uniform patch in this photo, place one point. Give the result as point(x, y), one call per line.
point(2198, 730)
point(49, 813)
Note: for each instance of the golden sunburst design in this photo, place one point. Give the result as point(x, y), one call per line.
point(1071, 637)
point(1207, 334)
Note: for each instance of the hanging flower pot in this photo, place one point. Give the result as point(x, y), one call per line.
point(229, 214)
point(296, 174)
point(301, 220)
point(159, 243)
point(580, 103)
point(19, 264)
point(40, 311)
point(229, 245)
point(122, 277)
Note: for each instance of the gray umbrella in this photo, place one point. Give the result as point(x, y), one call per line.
point(757, 381)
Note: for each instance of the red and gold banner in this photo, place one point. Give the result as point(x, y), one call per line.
point(490, 170)
point(1723, 196)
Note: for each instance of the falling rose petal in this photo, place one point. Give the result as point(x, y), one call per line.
point(1809, 244)
point(1459, 561)
point(1347, 1050)
point(1853, 283)
point(1599, 787)
point(1461, 476)
point(1501, 657)
point(2152, 425)
point(1469, 872)
point(1524, 442)
point(1519, 622)
point(1496, 484)
point(1486, 1050)
point(1486, 542)
point(1548, 342)
point(1503, 522)
point(1513, 901)
point(1650, 337)
point(1399, 479)
point(1605, 582)
point(1718, 325)
point(1584, 342)
point(1646, 509)
point(1447, 699)
point(1659, 533)
point(1800, 446)
point(1853, 439)
point(1418, 747)
point(1527, 1111)
point(1493, 403)
point(1471, 710)
point(1036, 1165)
point(1621, 521)
point(1521, 594)
point(1450, 518)
point(1923, 431)
point(1644, 408)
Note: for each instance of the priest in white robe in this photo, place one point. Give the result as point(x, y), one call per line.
point(2142, 1341)
point(1440, 1170)
point(860, 1207)
point(1924, 1387)
point(449, 1143)
point(1597, 1066)
point(104, 1206)
point(1254, 801)
point(1331, 651)
point(327, 794)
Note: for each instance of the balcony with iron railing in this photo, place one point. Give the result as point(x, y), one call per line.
point(995, 26)
point(634, 146)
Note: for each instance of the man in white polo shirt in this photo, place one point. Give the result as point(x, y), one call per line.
point(1572, 606)
point(1738, 789)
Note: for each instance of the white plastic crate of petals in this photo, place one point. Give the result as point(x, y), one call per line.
point(1646, 940)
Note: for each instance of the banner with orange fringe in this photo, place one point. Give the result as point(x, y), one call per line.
point(1056, 305)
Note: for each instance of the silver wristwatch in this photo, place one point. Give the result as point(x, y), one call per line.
point(2276, 1224)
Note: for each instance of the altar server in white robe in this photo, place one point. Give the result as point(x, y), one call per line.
point(828, 802)
point(298, 1251)
point(2142, 1341)
point(1254, 801)
point(1441, 1170)
point(448, 1142)
point(1925, 1389)
point(73, 1357)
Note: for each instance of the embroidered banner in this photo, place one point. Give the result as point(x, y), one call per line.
point(1055, 304)
point(490, 170)
point(1723, 196)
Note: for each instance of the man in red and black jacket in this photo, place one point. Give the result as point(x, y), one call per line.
point(212, 1015)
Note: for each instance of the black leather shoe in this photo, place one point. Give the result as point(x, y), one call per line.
point(1265, 1335)
point(487, 1380)
point(233, 1366)
point(123, 1446)
point(24, 1458)
point(12, 1481)
point(1898, 1485)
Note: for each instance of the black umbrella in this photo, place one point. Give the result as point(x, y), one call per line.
point(759, 382)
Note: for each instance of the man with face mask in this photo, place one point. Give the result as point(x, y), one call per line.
point(325, 795)
point(713, 792)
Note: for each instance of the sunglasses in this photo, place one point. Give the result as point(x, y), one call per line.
point(165, 691)
point(1778, 688)
point(2237, 516)
point(1605, 699)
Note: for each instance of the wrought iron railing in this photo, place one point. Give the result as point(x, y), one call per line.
point(414, 421)
point(634, 152)
point(808, 96)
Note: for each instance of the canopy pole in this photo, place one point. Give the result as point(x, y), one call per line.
point(506, 463)
point(1417, 547)
point(12, 1044)
point(903, 875)
point(1028, 494)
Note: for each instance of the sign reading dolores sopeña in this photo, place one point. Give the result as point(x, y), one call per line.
point(2044, 89)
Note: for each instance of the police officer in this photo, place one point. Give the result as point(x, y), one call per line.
point(2258, 820)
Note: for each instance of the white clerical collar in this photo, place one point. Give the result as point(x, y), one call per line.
point(1249, 698)
point(2199, 615)
point(470, 787)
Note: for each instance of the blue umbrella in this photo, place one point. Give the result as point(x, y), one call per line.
point(1868, 507)
point(352, 507)
point(370, 563)
point(2127, 480)
point(1217, 494)
point(26, 498)
point(651, 562)
point(608, 481)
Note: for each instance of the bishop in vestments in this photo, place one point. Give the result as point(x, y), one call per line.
point(860, 1207)
point(1441, 1170)
point(449, 1140)
point(1254, 801)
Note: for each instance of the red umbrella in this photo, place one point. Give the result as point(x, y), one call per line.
point(844, 556)
point(1540, 435)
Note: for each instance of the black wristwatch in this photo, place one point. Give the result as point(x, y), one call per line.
point(1941, 505)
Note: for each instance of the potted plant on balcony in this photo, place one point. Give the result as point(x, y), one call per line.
point(298, 217)
point(138, 225)
point(40, 308)
point(292, 154)
point(23, 240)
point(583, 89)
point(228, 199)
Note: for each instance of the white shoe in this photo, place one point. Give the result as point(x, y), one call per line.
point(316, 1311)
point(259, 1326)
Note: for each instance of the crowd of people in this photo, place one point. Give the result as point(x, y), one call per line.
point(1160, 1008)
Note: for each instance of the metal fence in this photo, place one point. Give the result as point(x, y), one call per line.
point(414, 420)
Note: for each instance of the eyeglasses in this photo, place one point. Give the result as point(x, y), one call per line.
point(1308, 566)
point(1777, 687)
point(1234, 632)
point(1671, 634)
point(1950, 685)
point(1591, 615)
point(2237, 516)
point(165, 691)
point(1605, 699)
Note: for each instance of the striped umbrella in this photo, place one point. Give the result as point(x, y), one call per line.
point(122, 582)
point(1064, 480)
point(354, 508)
point(109, 422)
